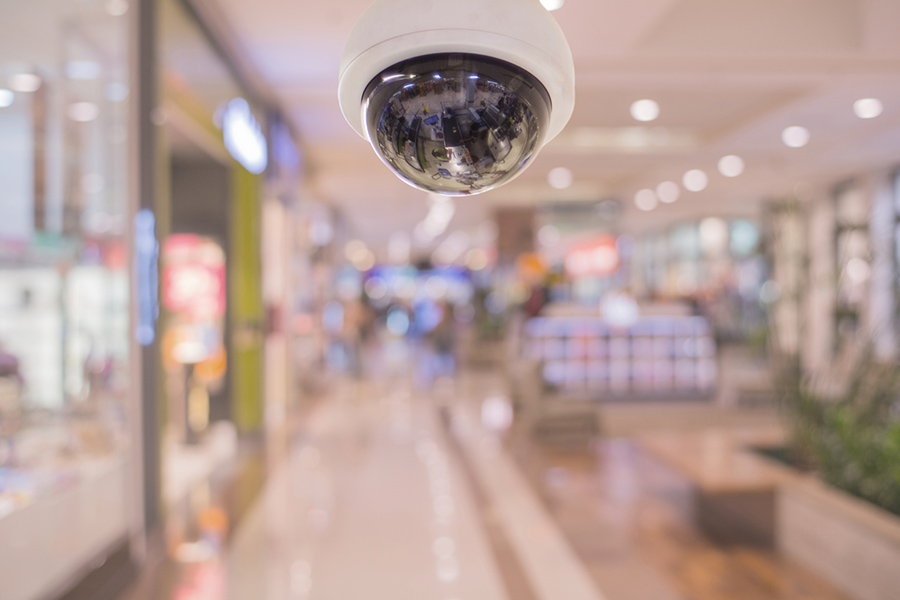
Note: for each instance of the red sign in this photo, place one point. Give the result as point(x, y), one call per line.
point(597, 257)
point(193, 276)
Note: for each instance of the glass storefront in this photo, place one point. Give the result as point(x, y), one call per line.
point(853, 250)
point(65, 386)
point(716, 264)
point(203, 187)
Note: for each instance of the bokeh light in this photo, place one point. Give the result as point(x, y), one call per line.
point(695, 180)
point(646, 200)
point(868, 108)
point(645, 110)
point(731, 165)
point(668, 192)
point(795, 136)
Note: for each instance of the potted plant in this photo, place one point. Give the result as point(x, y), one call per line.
point(843, 523)
point(849, 434)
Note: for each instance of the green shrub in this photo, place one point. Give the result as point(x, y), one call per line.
point(851, 438)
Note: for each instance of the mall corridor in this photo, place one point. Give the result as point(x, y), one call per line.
point(469, 300)
point(390, 491)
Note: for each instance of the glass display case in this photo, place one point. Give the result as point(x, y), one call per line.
point(65, 383)
point(654, 357)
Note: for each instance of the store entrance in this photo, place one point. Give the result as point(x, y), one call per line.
point(195, 350)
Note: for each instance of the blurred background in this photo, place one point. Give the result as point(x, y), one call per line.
point(240, 359)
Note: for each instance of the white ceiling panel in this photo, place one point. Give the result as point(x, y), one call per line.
point(728, 75)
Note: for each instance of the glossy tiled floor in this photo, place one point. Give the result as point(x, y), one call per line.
point(392, 493)
point(629, 519)
point(367, 504)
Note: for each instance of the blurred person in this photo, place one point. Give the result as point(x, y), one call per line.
point(537, 299)
point(352, 334)
point(443, 340)
point(434, 325)
point(11, 384)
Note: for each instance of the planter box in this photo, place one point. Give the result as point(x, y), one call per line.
point(734, 488)
point(744, 497)
point(745, 517)
point(847, 541)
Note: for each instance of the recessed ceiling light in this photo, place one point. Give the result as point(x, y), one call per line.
point(645, 200)
point(695, 180)
point(6, 98)
point(731, 165)
point(868, 108)
point(668, 192)
point(645, 110)
point(553, 4)
point(24, 82)
point(795, 136)
point(560, 178)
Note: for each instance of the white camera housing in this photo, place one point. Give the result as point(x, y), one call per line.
point(521, 73)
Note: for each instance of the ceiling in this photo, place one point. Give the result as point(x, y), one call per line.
point(728, 76)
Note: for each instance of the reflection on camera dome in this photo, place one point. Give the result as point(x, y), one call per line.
point(463, 128)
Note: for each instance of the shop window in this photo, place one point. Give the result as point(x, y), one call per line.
point(854, 259)
point(65, 385)
point(896, 232)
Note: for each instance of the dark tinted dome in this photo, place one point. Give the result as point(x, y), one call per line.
point(456, 123)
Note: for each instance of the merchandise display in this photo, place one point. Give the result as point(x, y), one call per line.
point(656, 356)
point(194, 354)
point(42, 460)
point(66, 386)
point(63, 376)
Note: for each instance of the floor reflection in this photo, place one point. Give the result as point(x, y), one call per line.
point(376, 497)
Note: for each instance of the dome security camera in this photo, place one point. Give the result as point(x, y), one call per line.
point(457, 97)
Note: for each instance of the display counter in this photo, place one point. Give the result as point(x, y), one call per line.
point(60, 523)
point(655, 357)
